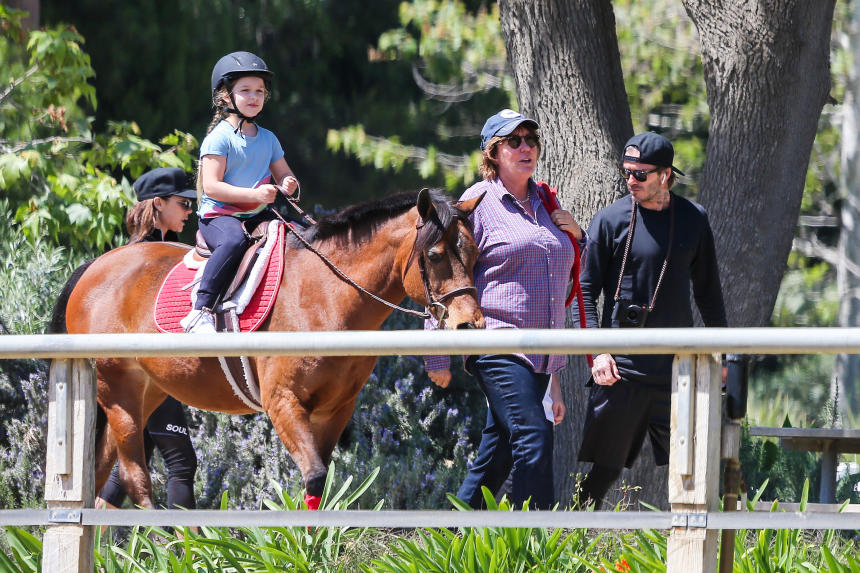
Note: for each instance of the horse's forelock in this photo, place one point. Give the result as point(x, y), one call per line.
point(433, 230)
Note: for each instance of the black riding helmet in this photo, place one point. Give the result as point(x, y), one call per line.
point(239, 64)
point(234, 66)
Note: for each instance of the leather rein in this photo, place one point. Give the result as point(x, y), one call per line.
point(436, 306)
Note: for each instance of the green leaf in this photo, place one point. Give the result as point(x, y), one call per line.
point(13, 168)
point(78, 214)
point(804, 497)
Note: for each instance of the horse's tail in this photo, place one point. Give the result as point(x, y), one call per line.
point(58, 326)
point(58, 316)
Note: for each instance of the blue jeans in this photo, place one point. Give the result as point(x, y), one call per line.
point(517, 434)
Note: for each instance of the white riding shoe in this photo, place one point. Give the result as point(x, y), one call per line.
point(199, 321)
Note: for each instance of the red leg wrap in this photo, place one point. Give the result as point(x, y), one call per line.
point(312, 501)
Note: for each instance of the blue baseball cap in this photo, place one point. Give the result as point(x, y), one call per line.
point(503, 123)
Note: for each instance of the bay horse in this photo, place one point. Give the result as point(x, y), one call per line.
point(309, 399)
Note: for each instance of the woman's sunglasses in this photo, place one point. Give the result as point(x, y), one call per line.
point(638, 174)
point(515, 141)
point(184, 203)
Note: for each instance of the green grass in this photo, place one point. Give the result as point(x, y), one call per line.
point(462, 550)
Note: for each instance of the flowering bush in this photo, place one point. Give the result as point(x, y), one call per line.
point(23, 388)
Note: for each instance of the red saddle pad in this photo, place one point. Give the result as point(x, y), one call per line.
point(173, 303)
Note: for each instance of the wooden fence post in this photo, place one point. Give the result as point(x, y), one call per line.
point(694, 462)
point(67, 546)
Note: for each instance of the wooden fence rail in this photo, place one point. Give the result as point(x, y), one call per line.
point(695, 424)
point(627, 520)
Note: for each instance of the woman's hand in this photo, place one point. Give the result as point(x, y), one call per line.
point(565, 221)
point(605, 370)
point(440, 377)
point(558, 407)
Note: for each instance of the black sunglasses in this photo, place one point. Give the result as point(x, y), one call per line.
point(638, 174)
point(515, 141)
point(185, 204)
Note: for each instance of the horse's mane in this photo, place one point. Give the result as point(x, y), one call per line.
point(361, 219)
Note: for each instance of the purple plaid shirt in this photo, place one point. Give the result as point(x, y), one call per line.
point(522, 271)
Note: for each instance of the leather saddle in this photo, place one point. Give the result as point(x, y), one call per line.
point(256, 239)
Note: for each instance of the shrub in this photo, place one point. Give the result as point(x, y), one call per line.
point(31, 276)
point(466, 549)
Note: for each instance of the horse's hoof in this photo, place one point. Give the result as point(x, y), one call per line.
point(312, 501)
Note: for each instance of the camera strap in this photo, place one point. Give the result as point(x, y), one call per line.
point(632, 226)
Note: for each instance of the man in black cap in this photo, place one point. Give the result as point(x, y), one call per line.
point(644, 252)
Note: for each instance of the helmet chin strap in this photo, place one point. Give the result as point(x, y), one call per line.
point(235, 110)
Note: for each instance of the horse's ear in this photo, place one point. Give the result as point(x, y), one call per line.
point(469, 205)
point(425, 204)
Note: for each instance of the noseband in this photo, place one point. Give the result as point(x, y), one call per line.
point(436, 305)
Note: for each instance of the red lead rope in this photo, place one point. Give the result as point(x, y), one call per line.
point(548, 197)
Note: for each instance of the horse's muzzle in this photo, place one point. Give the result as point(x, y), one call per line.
point(475, 323)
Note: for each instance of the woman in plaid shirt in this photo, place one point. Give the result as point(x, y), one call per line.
point(522, 277)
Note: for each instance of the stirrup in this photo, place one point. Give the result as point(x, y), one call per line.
point(199, 321)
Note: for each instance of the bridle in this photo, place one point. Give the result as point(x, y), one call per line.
point(436, 307)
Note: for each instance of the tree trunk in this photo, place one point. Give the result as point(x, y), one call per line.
point(847, 370)
point(767, 72)
point(567, 69)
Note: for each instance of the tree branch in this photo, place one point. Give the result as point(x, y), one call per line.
point(814, 248)
point(452, 93)
point(819, 221)
point(18, 82)
point(418, 154)
point(20, 146)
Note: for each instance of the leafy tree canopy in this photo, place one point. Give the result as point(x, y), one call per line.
point(61, 178)
point(458, 59)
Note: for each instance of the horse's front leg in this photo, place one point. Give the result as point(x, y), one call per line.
point(292, 422)
point(328, 429)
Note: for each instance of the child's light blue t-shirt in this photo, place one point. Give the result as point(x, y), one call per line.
point(248, 161)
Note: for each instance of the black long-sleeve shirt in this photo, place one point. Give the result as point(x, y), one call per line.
point(693, 261)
